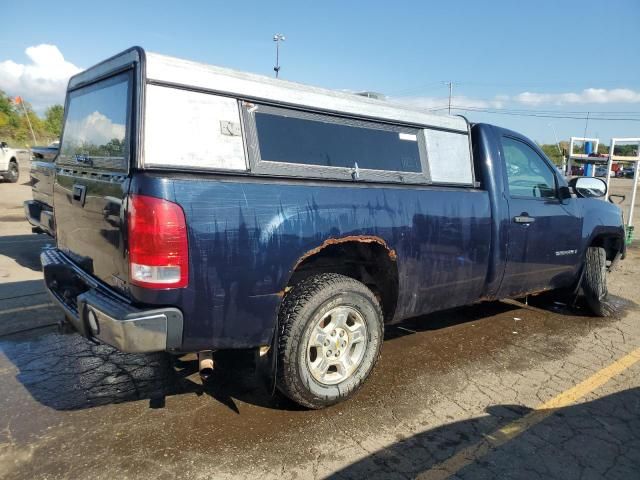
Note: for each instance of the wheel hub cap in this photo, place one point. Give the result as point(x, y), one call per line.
point(336, 345)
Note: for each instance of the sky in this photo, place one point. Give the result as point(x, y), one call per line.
point(513, 64)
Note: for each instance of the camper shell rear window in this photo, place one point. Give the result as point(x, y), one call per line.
point(96, 129)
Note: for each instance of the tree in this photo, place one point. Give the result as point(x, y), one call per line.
point(53, 117)
point(8, 117)
point(14, 127)
point(552, 152)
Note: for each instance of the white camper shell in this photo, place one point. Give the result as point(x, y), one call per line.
point(191, 116)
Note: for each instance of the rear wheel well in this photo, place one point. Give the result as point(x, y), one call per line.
point(369, 262)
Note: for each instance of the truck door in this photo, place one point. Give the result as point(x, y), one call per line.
point(543, 230)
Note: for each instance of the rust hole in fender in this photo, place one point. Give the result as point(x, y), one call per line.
point(350, 238)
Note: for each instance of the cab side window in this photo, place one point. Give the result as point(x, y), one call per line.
point(528, 174)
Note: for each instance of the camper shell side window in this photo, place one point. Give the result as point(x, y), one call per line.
point(289, 142)
point(284, 141)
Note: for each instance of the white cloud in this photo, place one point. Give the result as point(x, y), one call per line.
point(95, 128)
point(532, 99)
point(41, 82)
point(588, 95)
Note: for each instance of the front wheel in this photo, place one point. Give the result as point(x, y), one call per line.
point(14, 173)
point(594, 283)
point(331, 330)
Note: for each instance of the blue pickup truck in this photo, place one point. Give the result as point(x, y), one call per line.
point(200, 209)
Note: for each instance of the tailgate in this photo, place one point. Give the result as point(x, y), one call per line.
point(92, 173)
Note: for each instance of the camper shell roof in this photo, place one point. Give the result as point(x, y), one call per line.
point(186, 74)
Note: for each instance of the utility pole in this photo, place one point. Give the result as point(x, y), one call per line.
point(278, 37)
point(586, 124)
point(450, 92)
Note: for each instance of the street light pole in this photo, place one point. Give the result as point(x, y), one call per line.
point(278, 37)
point(564, 161)
point(556, 137)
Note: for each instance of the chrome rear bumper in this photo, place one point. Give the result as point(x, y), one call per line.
point(98, 312)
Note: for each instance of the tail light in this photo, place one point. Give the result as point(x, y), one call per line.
point(158, 248)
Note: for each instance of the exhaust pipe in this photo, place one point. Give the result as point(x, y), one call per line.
point(205, 364)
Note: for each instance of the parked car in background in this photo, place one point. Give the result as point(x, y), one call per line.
point(577, 170)
point(10, 159)
point(39, 210)
point(628, 172)
point(602, 172)
point(297, 221)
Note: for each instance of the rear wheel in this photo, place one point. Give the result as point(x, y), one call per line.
point(331, 330)
point(594, 282)
point(14, 172)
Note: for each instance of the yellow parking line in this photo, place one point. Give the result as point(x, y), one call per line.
point(23, 309)
point(501, 436)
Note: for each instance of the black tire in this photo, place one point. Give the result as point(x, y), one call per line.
point(13, 174)
point(594, 282)
point(304, 306)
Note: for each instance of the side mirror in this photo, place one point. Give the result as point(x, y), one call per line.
point(589, 187)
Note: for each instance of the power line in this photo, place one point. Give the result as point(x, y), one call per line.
point(528, 111)
point(541, 115)
point(559, 112)
point(617, 81)
point(570, 115)
point(431, 85)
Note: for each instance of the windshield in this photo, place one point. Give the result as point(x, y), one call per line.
point(95, 130)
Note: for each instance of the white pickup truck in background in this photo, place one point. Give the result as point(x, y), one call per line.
point(10, 159)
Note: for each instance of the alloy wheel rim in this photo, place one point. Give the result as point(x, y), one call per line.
point(336, 345)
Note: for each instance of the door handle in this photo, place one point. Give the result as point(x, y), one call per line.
point(524, 218)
